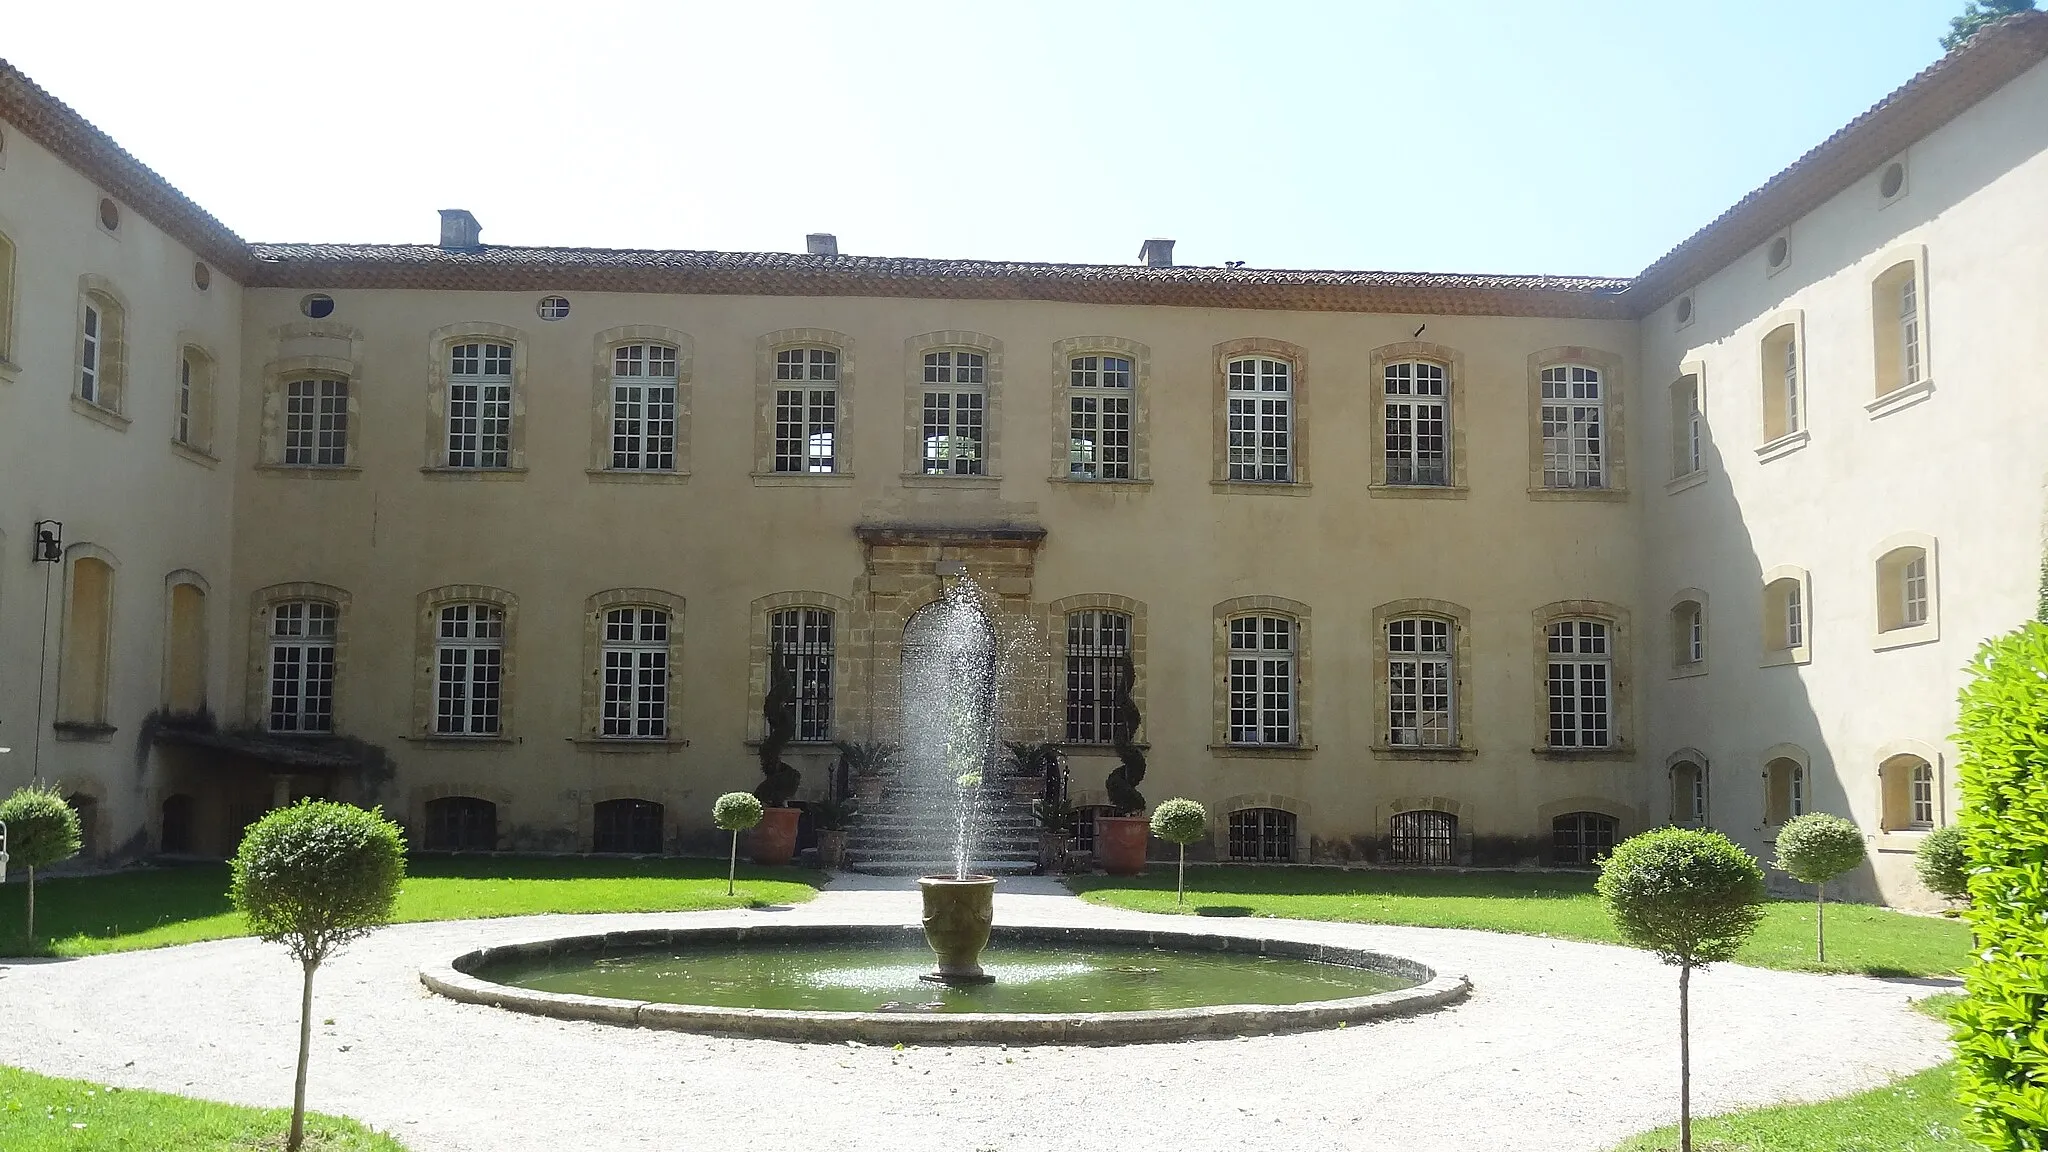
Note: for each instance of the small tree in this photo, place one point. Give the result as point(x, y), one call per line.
point(1941, 864)
point(41, 830)
point(313, 877)
point(1183, 822)
point(735, 812)
point(1692, 898)
point(1814, 849)
point(1976, 14)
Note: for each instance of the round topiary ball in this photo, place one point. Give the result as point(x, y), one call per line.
point(1942, 865)
point(41, 828)
point(317, 875)
point(1819, 846)
point(1689, 896)
point(1180, 820)
point(736, 811)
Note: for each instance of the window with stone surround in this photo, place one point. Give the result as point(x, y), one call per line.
point(87, 641)
point(1099, 412)
point(1907, 788)
point(479, 405)
point(802, 640)
point(1898, 308)
point(1689, 793)
point(1787, 617)
point(302, 665)
point(1417, 422)
point(1261, 836)
point(643, 397)
point(1422, 837)
point(7, 352)
point(101, 373)
point(636, 673)
point(192, 412)
point(461, 824)
point(806, 410)
point(1262, 681)
point(1582, 839)
point(1908, 591)
point(955, 412)
point(1688, 428)
point(1689, 633)
point(1581, 683)
point(1098, 649)
point(316, 422)
point(1261, 413)
point(1782, 366)
point(469, 656)
point(1420, 679)
point(185, 643)
point(1577, 442)
point(639, 403)
point(1784, 789)
point(627, 825)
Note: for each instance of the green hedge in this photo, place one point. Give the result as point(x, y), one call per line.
point(2002, 1036)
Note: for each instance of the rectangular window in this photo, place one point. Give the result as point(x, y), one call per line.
point(1695, 637)
point(1923, 796)
point(1574, 451)
point(480, 406)
point(644, 408)
point(954, 403)
point(1416, 425)
point(1260, 397)
point(184, 425)
point(89, 357)
point(1261, 680)
point(1419, 683)
point(1580, 676)
point(1098, 643)
point(1915, 589)
point(803, 639)
point(1099, 418)
point(1691, 458)
point(1909, 331)
point(316, 423)
point(302, 634)
point(806, 410)
point(635, 674)
point(470, 664)
point(1795, 619)
point(1792, 383)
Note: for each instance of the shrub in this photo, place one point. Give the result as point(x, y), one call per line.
point(1183, 822)
point(2002, 1033)
point(735, 812)
point(1814, 849)
point(1692, 898)
point(313, 877)
point(41, 830)
point(1942, 866)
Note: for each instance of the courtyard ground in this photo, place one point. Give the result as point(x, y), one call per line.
point(1563, 1046)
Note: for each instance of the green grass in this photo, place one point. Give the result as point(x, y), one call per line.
point(1861, 938)
point(42, 1114)
point(153, 907)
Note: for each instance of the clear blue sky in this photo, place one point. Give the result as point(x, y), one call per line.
point(1543, 136)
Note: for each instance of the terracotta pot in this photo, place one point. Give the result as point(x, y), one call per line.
point(773, 840)
point(868, 789)
point(831, 849)
point(957, 915)
point(1120, 844)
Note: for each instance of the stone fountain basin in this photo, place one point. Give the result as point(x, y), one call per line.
point(1430, 991)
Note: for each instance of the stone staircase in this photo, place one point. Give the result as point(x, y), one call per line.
point(910, 833)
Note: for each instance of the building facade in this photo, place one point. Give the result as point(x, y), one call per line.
point(1406, 568)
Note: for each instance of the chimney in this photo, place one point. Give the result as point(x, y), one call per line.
point(459, 230)
point(821, 244)
point(1157, 253)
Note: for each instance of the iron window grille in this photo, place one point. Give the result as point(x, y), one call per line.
point(1098, 643)
point(462, 824)
point(1580, 679)
point(480, 406)
point(644, 408)
point(470, 670)
point(1099, 418)
point(635, 705)
point(1261, 835)
point(806, 410)
point(1422, 837)
point(1582, 838)
point(1262, 680)
point(316, 423)
point(1259, 394)
point(1574, 445)
point(955, 409)
point(631, 826)
point(1419, 679)
point(302, 635)
point(802, 637)
point(89, 357)
point(1417, 424)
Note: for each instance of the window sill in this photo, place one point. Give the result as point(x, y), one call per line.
point(1617, 752)
point(1892, 638)
point(1100, 749)
point(624, 744)
point(1899, 839)
point(1261, 487)
point(1418, 491)
point(1422, 752)
point(441, 740)
point(1084, 482)
point(94, 412)
point(441, 472)
point(9, 370)
point(1688, 671)
point(798, 745)
point(1263, 751)
point(198, 456)
point(933, 480)
point(624, 476)
point(803, 479)
point(1785, 656)
point(312, 472)
point(1783, 446)
point(1594, 495)
point(1677, 484)
point(1899, 398)
point(85, 731)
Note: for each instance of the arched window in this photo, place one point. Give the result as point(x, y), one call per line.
point(1783, 397)
point(1420, 676)
point(955, 407)
point(1262, 680)
point(1418, 407)
point(1579, 839)
point(1902, 589)
point(461, 824)
point(1574, 427)
point(1261, 835)
point(1581, 684)
point(1907, 783)
point(316, 422)
point(1259, 391)
point(1898, 323)
point(1099, 412)
point(626, 826)
point(1688, 428)
point(635, 653)
point(806, 409)
point(1098, 645)
point(643, 406)
point(302, 636)
point(1422, 837)
point(1785, 619)
point(469, 664)
point(177, 835)
point(802, 638)
point(1688, 634)
point(479, 405)
point(185, 656)
point(1784, 790)
point(1688, 795)
point(88, 638)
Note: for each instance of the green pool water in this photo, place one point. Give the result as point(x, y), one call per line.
point(856, 977)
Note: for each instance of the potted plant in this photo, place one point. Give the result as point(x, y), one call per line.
point(868, 764)
point(774, 838)
point(833, 816)
point(1120, 836)
point(1028, 767)
point(1056, 821)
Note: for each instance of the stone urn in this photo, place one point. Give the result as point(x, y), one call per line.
point(773, 840)
point(832, 849)
point(1120, 844)
point(957, 915)
point(868, 789)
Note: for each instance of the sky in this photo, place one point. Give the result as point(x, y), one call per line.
point(1560, 136)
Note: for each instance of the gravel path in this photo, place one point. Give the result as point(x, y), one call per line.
point(1562, 1046)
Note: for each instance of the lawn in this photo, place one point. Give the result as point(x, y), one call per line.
point(152, 907)
point(1861, 938)
point(42, 1114)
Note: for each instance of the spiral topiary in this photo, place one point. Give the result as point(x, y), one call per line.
point(1122, 783)
point(779, 781)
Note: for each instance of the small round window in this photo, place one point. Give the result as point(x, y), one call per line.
point(202, 276)
point(1779, 250)
point(1893, 180)
point(1684, 309)
point(553, 307)
point(318, 305)
point(110, 214)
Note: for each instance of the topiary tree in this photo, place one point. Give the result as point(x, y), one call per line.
point(735, 812)
point(1183, 822)
point(1692, 898)
point(779, 781)
point(1814, 849)
point(313, 877)
point(2002, 1024)
point(41, 830)
point(1941, 864)
point(1121, 786)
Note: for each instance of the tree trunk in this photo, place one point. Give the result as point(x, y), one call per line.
point(1685, 1058)
point(1180, 879)
point(732, 865)
point(31, 906)
point(298, 1135)
point(1820, 920)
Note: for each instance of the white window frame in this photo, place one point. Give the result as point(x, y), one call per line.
point(479, 423)
point(1101, 415)
point(1574, 427)
point(803, 637)
point(633, 702)
point(1422, 709)
point(183, 434)
point(315, 422)
point(954, 417)
point(302, 666)
point(1259, 395)
point(1913, 591)
point(1262, 669)
point(1791, 370)
point(1693, 431)
point(643, 393)
point(1909, 329)
point(1920, 796)
point(1098, 642)
point(91, 351)
point(1580, 677)
point(1417, 414)
point(469, 664)
point(806, 433)
point(1795, 617)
